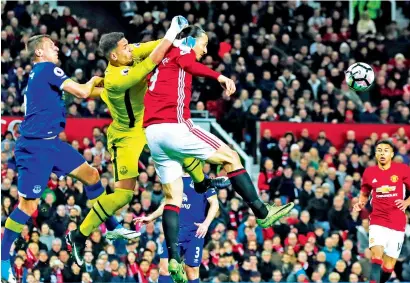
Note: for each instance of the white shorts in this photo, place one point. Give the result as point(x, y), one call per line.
point(171, 143)
point(390, 240)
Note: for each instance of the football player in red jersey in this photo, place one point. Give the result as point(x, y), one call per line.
point(172, 136)
point(386, 183)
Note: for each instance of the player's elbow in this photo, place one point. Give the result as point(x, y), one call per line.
point(84, 93)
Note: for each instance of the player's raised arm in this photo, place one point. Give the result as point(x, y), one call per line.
point(143, 50)
point(118, 52)
point(177, 25)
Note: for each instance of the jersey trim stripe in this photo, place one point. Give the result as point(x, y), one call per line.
point(114, 148)
point(181, 96)
point(128, 106)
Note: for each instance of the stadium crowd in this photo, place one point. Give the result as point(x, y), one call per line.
point(288, 63)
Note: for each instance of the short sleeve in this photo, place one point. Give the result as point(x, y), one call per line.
point(366, 187)
point(209, 193)
point(55, 75)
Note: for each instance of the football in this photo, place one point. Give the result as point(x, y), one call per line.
point(359, 76)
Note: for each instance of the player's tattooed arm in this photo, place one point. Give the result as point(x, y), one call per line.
point(143, 220)
point(213, 210)
point(82, 90)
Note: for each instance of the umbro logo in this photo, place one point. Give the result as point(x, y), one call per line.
point(374, 181)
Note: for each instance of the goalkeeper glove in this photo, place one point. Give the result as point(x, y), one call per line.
point(177, 25)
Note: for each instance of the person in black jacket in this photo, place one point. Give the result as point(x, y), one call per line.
point(99, 274)
point(59, 222)
point(44, 266)
point(318, 209)
point(338, 215)
point(266, 143)
point(282, 186)
point(276, 153)
point(305, 226)
point(305, 195)
point(266, 266)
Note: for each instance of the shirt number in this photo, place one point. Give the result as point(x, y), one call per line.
point(153, 79)
point(197, 250)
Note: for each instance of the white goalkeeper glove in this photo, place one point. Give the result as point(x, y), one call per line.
point(177, 25)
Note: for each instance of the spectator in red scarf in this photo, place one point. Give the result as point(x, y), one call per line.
point(143, 272)
point(132, 266)
point(19, 270)
point(266, 175)
point(235, 214)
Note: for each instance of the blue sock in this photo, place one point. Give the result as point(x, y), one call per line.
point(14, 226)
point(194, 281)
point(165, 279)
point(111, 223)
point(94, 191)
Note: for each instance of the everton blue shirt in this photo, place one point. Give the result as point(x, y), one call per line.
point(193, 209)
point(45, 108)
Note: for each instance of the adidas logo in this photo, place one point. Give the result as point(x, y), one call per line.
point(374, 181)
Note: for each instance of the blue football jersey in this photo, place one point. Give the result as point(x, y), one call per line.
point(45, 107)
point(193, 209)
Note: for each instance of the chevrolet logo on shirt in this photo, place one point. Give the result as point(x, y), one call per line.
point(385, 189)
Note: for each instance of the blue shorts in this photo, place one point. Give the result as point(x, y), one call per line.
point(190, 248)
point(37, 158)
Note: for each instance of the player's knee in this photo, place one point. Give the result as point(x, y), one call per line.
point(94, 176)
point(28, 206)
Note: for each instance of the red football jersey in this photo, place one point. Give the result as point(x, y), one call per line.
point(169, 93)
point(387, 186)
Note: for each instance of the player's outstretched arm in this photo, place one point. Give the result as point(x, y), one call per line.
point(213, 210)
point(82, 90)
point(143, 50)
point(177, 25)
point(189, 64)
point(148, 219)
point(139, 71)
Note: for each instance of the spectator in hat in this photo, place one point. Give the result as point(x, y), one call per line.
point(256, 277)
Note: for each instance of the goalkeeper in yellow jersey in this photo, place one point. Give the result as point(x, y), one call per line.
point(124, 89)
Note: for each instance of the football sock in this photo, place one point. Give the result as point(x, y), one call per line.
point(95, 192)
point(165, 279)
point(103, 208)
point(386, 274)
point(242, 184)
point(170, 224)
point(14, 225)
point(376, 270)
point(194, 281)
point(194, 168)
